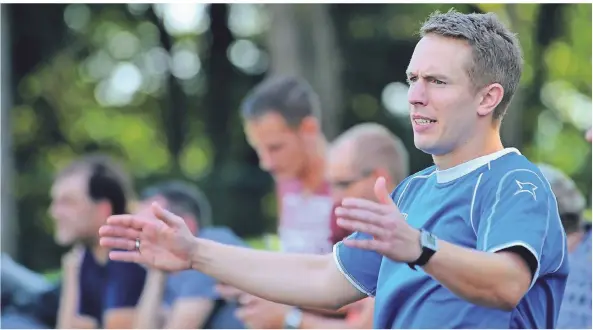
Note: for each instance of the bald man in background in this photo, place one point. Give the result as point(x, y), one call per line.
point(357, 158)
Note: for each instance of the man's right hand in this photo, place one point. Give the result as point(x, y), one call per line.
point(165, 241)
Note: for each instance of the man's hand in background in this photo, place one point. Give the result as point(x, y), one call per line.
point(257, 313)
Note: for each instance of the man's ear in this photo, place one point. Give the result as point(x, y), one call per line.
point(104, 209)
point(309, 126)
point(491, 96)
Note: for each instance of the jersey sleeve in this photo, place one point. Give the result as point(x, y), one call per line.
point(125, 282)
point(361, 267)
point(516, 215)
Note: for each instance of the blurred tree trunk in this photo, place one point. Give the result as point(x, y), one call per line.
point(35, 34)
point(219, 75)
point(548, 27)
point(174, 105)
point(8, 210)
point(302, 42)
point(229, 183)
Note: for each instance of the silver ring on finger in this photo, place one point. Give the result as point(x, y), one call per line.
point(137, 245)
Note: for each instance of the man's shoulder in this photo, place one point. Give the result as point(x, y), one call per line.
point(515, 171)
point(514, 178)
point(425, 172)
point(419, 177)
point(422, 174)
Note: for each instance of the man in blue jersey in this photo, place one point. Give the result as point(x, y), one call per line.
point(472, 242)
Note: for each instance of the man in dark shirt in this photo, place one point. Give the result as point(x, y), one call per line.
point(84, 195)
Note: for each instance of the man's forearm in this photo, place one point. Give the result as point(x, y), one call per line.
point(148, 312)
point(496, 280)
point(291, 279)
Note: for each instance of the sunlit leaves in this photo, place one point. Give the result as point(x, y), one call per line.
point(194, 159)
point(365, 106)
point(24, 125)
point(556, 153)
point(77, 16)
point(247, 56)
point(248, 20)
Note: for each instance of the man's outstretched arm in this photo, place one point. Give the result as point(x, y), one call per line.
point(292, 279)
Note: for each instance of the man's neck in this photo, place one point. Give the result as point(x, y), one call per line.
point(100, 253)
point(313, 175)
point(472, 149)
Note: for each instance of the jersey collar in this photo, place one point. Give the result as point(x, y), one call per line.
point(460, 170)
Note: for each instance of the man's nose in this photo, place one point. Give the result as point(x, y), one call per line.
point(417, 93)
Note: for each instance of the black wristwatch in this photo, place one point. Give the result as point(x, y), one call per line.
point(428, 242)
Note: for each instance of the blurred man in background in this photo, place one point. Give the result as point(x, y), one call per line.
point(575, 311)
point(96, 292)
point(281, 122)
point(185, 299)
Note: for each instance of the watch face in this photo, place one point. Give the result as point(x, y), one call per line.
point(429, 240)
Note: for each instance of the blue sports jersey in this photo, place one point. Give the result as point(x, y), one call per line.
point(490, 203)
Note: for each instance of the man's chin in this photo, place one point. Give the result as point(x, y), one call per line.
point(429, 147)
point(425, 147)
point(64, 241)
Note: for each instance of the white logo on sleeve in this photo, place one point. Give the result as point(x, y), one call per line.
point(527, 187)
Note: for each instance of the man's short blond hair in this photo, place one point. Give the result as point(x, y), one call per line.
point(375, 146)
point(496, 52)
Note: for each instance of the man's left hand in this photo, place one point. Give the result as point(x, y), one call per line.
point(257, 313)
point(392, 236)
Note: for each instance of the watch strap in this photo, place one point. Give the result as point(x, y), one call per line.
point(427, 252)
